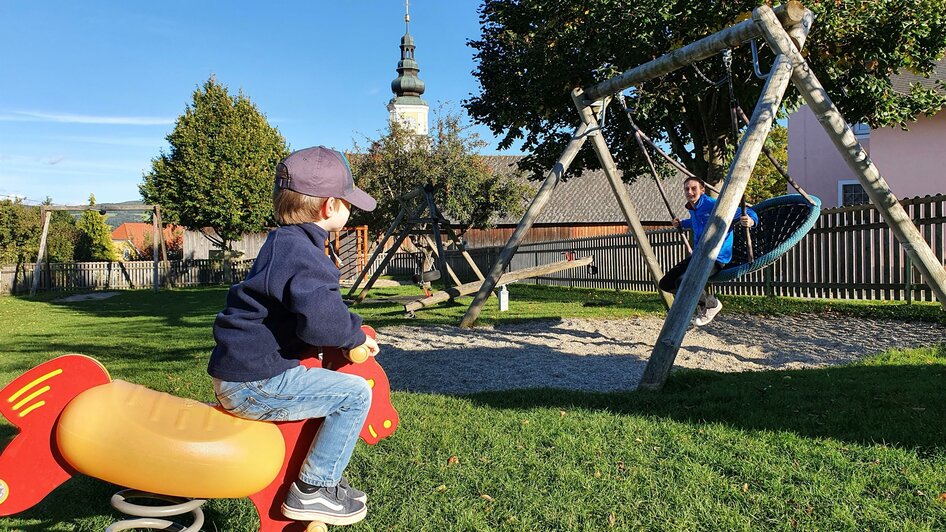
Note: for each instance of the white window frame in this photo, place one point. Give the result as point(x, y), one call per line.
point(841, 183)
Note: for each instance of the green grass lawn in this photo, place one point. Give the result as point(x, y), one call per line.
point(851, 447)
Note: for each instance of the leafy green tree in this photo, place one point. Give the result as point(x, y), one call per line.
point(219, 170)
point(530, 55)
point(21, 228)
point(95, 237)
point(467, 189)
point(766, 181)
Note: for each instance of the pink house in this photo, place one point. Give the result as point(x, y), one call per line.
point(913, 162)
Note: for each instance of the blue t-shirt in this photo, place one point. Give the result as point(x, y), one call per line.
point(288, 302)
point(699, 218)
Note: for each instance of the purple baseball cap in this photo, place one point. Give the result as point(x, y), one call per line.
point(324, 173)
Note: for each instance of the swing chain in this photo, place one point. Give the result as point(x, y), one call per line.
point(707, 79)
point(727, 61)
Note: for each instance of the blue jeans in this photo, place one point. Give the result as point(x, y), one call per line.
point(300, 393)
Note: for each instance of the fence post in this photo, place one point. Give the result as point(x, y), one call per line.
point(908, 279)
point(767, 280)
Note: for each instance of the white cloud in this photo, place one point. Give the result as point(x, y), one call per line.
point(68, 118)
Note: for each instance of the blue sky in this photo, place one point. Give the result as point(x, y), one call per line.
point(89, 90)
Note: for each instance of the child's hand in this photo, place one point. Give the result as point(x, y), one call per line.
point(372, 346)
point(746, 221)
point(676, 223)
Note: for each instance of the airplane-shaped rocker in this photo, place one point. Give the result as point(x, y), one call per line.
point(74, 419)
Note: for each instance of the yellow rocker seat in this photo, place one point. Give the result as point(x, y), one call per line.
point(135, 437)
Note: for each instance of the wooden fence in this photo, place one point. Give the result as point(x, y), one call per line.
point(122, 275)
point(850, 254)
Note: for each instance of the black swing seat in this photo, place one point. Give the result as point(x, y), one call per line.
point(783, 222)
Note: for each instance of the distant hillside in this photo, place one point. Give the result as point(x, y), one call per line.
point(116, 218)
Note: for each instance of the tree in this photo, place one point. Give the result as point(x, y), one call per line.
point(766, 181)
point(467, 189)
point(530, 56)
point(20, 230)
point(173, 244)
point(219, 171)
point(95, 236)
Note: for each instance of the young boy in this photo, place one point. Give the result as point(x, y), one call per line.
point(288, 302)
point(701, 206)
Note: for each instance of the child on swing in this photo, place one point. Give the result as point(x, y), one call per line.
point(289, 302)
point(701, 206)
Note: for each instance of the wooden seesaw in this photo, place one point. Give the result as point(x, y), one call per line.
point(74, 419)
point(471, 287)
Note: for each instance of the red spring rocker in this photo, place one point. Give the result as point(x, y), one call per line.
point(73, 418)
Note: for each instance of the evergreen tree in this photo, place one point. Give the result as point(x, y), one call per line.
point(95, 236)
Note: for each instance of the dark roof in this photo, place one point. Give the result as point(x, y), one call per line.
point(902, 81)
point(588, 198)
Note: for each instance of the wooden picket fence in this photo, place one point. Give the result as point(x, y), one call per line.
point(850, 254)
point(77, 276)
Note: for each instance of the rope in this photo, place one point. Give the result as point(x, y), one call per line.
point(638, 136)
point(734, 121)
point(643, 136)
point(778, 167)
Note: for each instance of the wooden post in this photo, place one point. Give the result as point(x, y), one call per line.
point(767, 280)
point(620, 192)
point(154, 246)
point(46, 214)
point(707, 249)
point(908, 279)
point(164, 250)
point(541, 198)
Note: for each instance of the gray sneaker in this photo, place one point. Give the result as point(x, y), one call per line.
point(354, 493)
point(709, 314)
point(333, 506)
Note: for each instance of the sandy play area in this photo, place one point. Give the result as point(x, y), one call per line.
point(607, 355)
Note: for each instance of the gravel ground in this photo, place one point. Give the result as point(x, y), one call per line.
point(609, 355)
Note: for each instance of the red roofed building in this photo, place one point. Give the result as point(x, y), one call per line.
point(133, 240)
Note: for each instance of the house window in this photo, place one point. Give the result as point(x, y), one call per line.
point(851, 193)
point(861, 130)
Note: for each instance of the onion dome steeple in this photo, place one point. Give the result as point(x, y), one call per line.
point(407, 87)
point(407, 106)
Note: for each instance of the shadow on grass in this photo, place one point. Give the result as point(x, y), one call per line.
point(898, 405)
point(177, 308)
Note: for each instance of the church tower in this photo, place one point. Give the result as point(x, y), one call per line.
point(407, 106)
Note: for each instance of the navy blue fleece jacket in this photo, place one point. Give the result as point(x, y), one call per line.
point(699, 218)
point(289, 301)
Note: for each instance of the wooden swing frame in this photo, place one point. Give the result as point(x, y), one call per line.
point(157, 228)
point(785, 29)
